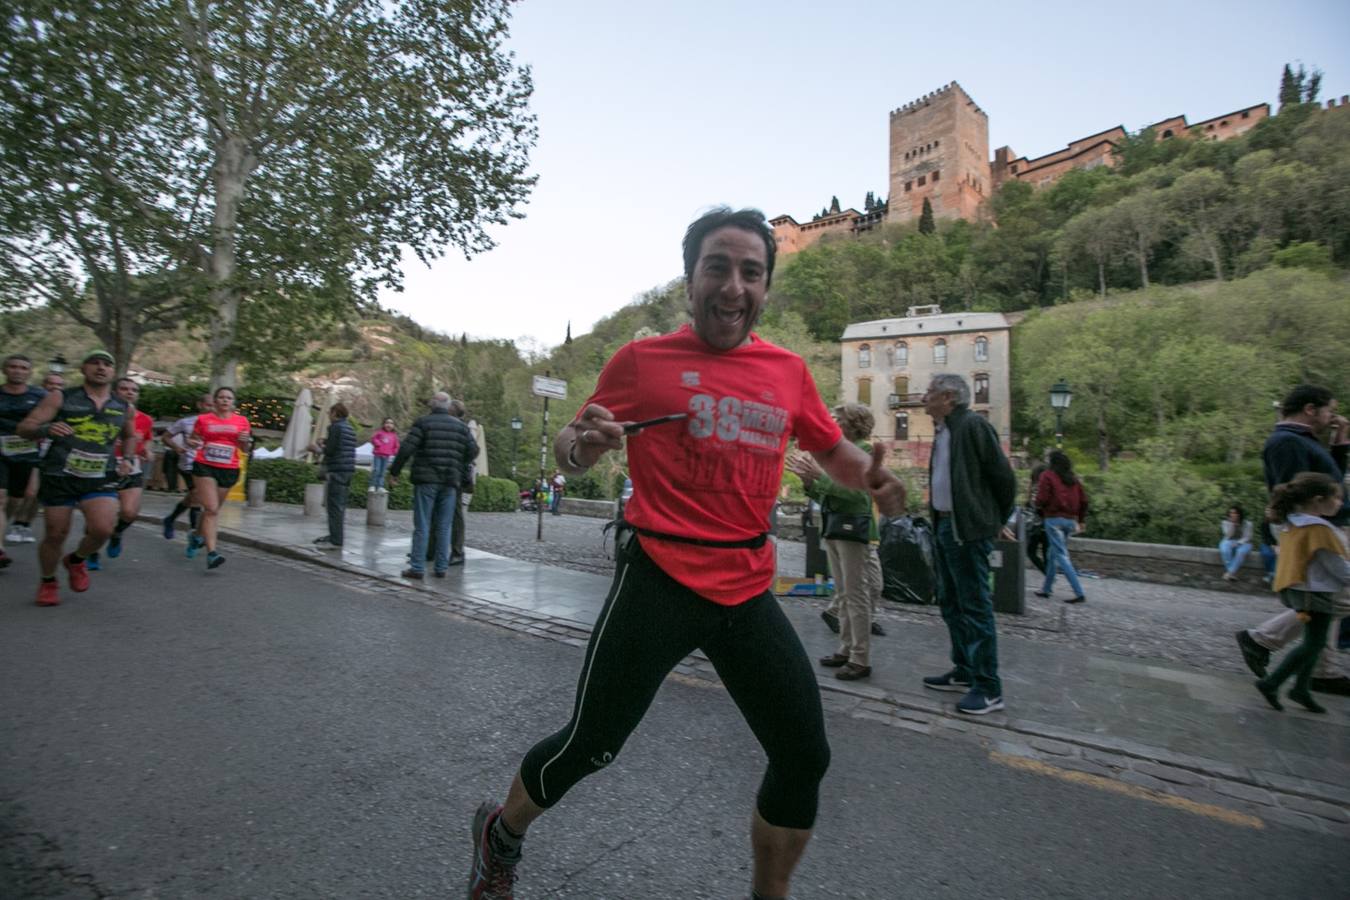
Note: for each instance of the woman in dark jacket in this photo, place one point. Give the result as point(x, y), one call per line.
point(1063, 506)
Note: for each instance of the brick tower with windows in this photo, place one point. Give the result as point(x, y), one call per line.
point(939, 151)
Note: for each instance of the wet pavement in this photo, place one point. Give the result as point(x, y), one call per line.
point(1196, 718)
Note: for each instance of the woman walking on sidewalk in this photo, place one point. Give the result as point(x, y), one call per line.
point(1313, 567)
point(1063, 506)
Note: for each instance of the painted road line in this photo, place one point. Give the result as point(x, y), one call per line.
point(1229, 816)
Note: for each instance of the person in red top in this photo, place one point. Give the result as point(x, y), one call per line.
point(1063, 507)
point(695, 567)
point(218, 437)
point(130, 488)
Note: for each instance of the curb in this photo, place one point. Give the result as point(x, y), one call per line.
point(1299, 802)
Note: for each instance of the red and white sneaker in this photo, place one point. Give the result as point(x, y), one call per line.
point(48, 594)
point(79, 575)
point(491, 877)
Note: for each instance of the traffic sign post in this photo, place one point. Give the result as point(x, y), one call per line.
point(545, 387)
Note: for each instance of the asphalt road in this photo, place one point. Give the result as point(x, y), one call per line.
point(271, 730)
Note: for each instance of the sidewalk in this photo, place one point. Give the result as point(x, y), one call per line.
point(1154, 724)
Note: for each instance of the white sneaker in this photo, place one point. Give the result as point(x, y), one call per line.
point(14, 535)
point(28, 535)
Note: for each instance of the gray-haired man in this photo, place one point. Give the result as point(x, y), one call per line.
point(441, 449)
point(971, 493)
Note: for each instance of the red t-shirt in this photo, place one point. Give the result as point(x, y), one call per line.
point(145, 433)
point(714, 475)
point(220, 439)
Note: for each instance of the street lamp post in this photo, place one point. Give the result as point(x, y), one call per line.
point(1061, 395)
point(516, 425)
point(57, 364)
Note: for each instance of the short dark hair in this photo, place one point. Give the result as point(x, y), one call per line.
point(118, 382)
point(338, 410)
point(224, 387)
point(19, 356)
point(1302, 395)
point(751, 220)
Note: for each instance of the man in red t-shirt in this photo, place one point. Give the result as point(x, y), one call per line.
point(694, 566)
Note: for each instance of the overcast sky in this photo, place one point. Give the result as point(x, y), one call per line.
point(649, 113)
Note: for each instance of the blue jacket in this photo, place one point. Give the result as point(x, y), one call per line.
point(1292, 449)
point(339, 449)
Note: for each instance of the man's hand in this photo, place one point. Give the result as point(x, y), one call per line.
point(124, 467)
point(596, 433)
point(884, 486)
point(60, 429)
point(1338, 431)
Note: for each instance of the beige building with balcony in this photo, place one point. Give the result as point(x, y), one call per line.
point(887, 363)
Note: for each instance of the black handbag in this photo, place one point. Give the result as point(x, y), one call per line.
point(848, 527)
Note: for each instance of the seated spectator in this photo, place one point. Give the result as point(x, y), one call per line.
point(1236, 543)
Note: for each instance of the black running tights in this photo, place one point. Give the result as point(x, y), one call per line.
point(649, 624)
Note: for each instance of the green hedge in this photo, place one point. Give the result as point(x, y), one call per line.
point(286, 480)
point(176, 401)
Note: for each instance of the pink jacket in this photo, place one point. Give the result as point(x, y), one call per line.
point(386, 442)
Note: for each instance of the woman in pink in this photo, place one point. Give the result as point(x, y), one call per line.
point(218, 437)
point(385, 443)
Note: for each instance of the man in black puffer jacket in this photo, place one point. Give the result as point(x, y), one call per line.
point(441, 448)
point(339, 462)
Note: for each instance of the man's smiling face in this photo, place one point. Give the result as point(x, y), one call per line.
point(728, 287)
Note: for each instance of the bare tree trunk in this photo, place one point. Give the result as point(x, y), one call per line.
point(1101, 277)
point(1103, 440)
point(1143, 262)
point(233, 164)
point(1217, 260)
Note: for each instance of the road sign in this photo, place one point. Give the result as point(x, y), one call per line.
point(549, 387)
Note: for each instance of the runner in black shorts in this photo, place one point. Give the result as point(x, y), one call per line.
point(177, 438)
point(78, 471)
point(18, 455)
point(130, 488)
point(695, 566)
point(218, 438)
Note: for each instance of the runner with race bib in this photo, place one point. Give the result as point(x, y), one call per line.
point(18, 455)
point(82, 424)
point(218, 437)
point(130, 488)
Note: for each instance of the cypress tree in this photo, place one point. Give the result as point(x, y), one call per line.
point(926, 223)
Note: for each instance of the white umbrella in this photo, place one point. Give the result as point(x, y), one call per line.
point(480, 437)
point(296, 441)
point(321, 421)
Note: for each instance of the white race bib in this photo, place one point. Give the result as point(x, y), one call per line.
point(13, 445)
point(218, 454)
point(82, 464)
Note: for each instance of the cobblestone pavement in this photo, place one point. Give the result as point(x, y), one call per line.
point(1127, 618)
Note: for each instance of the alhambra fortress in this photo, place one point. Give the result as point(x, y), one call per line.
point(940, 153)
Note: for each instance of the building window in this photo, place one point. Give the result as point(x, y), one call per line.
point(902, 426)
point(865, 391)
point(909, 185)
point(1014, 170)
point(982, 349)
point(1244, 115)
point(935, 176)
point(936, 143)
point(923, 179)
point(901, 353)
point(1167, 133)
point(1223, 124)
point(865, 356)
point(940, 352)
point(902, 385)
point(982, 388)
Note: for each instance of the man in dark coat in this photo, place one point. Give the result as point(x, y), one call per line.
point(441, 449)
point(1292, 448)
point(339, 463)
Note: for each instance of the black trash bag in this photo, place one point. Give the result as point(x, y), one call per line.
point(906, 553)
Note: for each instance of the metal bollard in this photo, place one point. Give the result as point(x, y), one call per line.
point(377, 504)
point(257, 492)
point(314, 499)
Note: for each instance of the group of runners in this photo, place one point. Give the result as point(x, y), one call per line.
point(86, 447)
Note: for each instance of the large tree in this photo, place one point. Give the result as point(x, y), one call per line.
point(258, 165)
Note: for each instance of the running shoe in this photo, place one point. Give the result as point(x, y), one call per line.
point(214, 560)
point(491, 876)
point(14, 535)
point(79, 574)
point(194, 544)
point(92, 562)
point(167, 523)
point(48, 594)
point(114, 546)
point(4, 560)
point(27, 537)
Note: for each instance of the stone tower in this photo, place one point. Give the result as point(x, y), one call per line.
point(939, 151)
